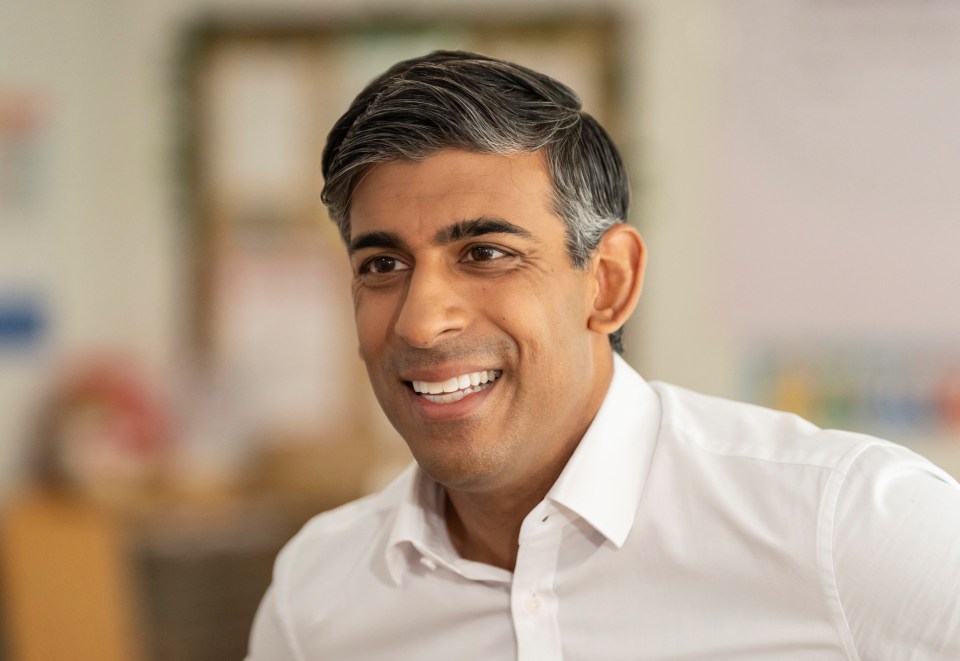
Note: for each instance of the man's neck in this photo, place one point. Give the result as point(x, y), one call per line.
point(485, 527)
point(484, 524)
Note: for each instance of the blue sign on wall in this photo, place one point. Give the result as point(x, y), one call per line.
point(23, 321)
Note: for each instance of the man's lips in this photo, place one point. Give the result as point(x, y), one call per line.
point(455, 388)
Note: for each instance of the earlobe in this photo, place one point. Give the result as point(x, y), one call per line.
point(619, 264)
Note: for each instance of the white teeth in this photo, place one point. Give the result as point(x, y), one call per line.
point(454, 388)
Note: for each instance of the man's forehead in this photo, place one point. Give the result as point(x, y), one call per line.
point(450, 187)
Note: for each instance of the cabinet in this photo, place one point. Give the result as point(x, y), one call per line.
point(178, 583)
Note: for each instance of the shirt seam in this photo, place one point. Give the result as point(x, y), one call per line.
point(683, 431)
point(826, 529)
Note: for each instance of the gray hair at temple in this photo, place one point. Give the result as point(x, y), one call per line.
point(461, 100)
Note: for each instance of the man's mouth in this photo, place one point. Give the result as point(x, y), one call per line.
point(455, 388)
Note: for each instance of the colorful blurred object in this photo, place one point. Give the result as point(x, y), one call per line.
point(906, 391)
point(102, 432)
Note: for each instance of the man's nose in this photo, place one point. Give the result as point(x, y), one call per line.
point(432, 310)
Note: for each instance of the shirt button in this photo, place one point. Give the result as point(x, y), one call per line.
point(532, 604)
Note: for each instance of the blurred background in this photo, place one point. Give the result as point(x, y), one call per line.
point(179, 385)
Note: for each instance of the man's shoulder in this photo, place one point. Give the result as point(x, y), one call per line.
point(733, 429)
point(331, 540)
point(353, 519)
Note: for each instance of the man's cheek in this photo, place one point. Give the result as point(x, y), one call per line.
point(370, 325)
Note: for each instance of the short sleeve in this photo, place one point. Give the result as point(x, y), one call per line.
point(268, 641)
point(897, 556)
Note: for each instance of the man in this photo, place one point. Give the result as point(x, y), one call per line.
point(560, 506)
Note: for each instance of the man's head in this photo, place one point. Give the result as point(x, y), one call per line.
point(469, 102)
point(482, 214)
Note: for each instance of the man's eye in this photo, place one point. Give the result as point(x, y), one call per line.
point(484, 254)
point(382, 264)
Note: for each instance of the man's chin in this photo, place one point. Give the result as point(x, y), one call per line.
point(460, 467)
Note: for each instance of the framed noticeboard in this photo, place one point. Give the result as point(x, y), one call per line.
point(269, 279)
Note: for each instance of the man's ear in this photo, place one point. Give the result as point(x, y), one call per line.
point(618, 265)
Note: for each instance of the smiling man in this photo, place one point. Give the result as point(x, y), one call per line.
point(485, 346)
point(560, 506)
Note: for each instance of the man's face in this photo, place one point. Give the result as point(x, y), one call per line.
point(471, 319)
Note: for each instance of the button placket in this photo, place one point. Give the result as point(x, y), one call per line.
point(533, 602)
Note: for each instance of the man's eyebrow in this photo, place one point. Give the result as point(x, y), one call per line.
point(477, 227)
point(376, 240)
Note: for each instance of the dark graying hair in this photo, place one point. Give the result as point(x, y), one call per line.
point(461, 100)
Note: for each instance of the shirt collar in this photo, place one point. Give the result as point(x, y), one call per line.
point(601, 482)
point(419, 522)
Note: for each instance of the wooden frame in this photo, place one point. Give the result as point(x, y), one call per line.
point(260, 237)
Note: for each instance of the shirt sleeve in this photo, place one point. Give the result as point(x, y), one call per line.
point(268, 639)
point(897, 556)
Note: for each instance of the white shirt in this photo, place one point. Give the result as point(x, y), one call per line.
point(683, 527)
